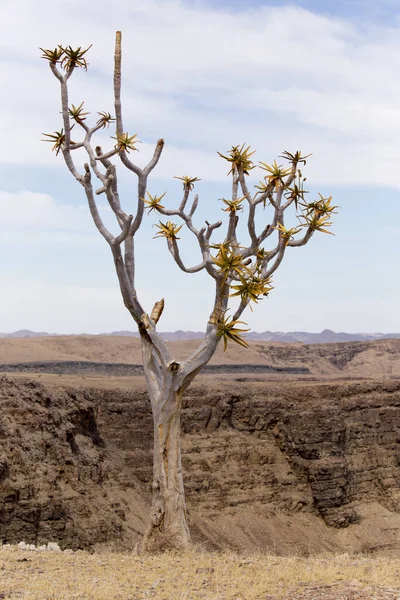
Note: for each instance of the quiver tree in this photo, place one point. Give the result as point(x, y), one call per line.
point(239, 271)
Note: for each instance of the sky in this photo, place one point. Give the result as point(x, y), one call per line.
point(321, 77)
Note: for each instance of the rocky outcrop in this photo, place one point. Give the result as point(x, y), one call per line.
point(294, 466)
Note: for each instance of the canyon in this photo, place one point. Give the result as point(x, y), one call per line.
point(273, 461)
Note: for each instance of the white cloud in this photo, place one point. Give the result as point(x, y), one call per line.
point(27, 209)
point(204, 79)
point(277, 77)
point(32, 219)
point(59, 308)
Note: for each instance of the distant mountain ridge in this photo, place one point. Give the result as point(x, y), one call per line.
point(327, 336)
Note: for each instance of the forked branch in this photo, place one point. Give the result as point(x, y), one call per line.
point(235, 267)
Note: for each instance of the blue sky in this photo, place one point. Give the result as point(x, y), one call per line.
point(317, 76)
point(367, 10)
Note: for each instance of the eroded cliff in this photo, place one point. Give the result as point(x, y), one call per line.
point(295, 466)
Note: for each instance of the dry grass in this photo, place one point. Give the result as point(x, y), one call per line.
point(189, 576)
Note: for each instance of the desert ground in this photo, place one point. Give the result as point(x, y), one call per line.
point(195, 576)
point(380, 359)
point(292, 479)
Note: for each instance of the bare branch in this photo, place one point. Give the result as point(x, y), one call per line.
point(303, 240)
point(93, 208)
point(280, 254)
point(193, 365)
point(128, 293)
point(107, 155)
point(67, 128)
point(264, 233)
point(102, 157)
point(142, 184)
point(118, 105)
point(76, 146)
point(117, 82)
point(210, 229)
point(83, 125)
point(233, 218)
point(156, 157)
point(129, 258)
point(174, 250)
point(241, 308)
point(125, 231)
point(185, 198)
point(194, 206)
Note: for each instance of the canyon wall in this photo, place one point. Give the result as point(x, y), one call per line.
point(290, 467)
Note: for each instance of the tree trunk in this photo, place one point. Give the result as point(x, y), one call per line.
point(168, 527)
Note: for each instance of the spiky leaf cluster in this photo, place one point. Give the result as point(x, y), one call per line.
point(68, 57)
point(57, 139)
point(73, 58)
point(295, 158)
point(264, 187)
point(296, 192)
point(227, 330)
point(261, 255)
point(251, 288)
point(53, 56)
point(276, 173)
point(287, 234)
point(153, 203)
point(228, 262)
point(188, 182)
point(168, 230)
point(125, 142)
point(316, 215)
point(323, 206)
point(77, 113)
point(239, 158)
point(105, 119)
point(232, 206)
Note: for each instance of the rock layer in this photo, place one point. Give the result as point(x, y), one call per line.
point(289, 467)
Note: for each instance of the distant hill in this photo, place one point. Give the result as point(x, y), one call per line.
point(327, 336)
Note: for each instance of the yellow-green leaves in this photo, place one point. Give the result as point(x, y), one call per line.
point(276, 173)
point(168, 230)
point(316, 215)
point(69, 58)
point(105, 119)
point(77, 113)
point(188, 182)
point(125, 142)
point(263, 186)
point(72, 58)
point(317, 223)
point(233, 205)
point(295, 158)
point(227, 330)
point(261, 255)
point(251, 288)
point(239, 158)
point(53, 56)
point(296, 192)
point(322, 206)
point(57, 139)
point(227, 261)
point(153, 203)
point(287, 234)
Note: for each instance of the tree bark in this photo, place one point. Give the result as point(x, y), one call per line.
point(168, 527)
point(167, 380)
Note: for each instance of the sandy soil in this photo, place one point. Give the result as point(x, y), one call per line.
point(194, 576)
